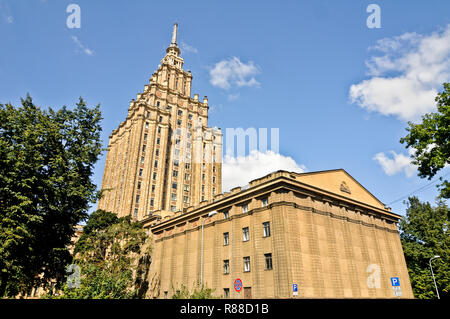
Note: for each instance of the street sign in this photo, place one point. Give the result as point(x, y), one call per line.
point(294, 289)
point(238, 285)
point(395, 282)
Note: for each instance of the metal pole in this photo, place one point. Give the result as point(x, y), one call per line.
point(432, 274)
point(201, 258)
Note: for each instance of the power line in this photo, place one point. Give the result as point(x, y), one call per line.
point(418, 190)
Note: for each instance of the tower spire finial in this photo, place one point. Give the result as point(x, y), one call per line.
point(174, 33)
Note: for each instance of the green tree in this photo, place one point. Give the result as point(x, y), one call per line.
point(199, 293)
point(110, 253)
point(47, 159)
point(424, 234)
point(431, 141)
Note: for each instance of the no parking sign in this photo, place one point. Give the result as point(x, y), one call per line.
point(238, 285)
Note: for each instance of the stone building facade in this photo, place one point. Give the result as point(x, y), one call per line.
point(163, 157)
point(322, 231)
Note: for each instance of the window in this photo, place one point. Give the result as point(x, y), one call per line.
point(190, 117)
point(226, 239)
point(203, 188)
point(203, 177)
point(148, 114)
point(156, 163)
point(203, 198)
point(180, 112)
point(226, 266)
point(158, 140)
point(246, 264)
point(154, 176)
point(264, 202)
point(173, 208)
point(179, 122)
point(153, 188)
point(176, 163)
point(245, 208)
point(268, 258)
point(266, 229)
point(135, 213)
point(174, 196)
point(174, 185)
point(226, 292)
point(245, 234)
point(152, 202)
point(140, 172)
point(160, 119)
point(157, 152)
point(144, 147)
point(146, 124)
point(158, 103)
point(186, 188)
point(175, 173)
point(187, 166)
point(159, 129)
point(139, 185)
point(166, 295)
point(226, 214)
point(137, 199)
point(142, 159)
point(187, 176)
point(214, 179)
point(185, 199)
point(145, 136)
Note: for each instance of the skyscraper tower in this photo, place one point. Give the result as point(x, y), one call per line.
point(163, 157)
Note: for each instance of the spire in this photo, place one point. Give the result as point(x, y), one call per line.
point(174, 33)
point(173, 47)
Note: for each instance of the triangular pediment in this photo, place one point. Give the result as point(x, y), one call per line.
point(339, 182)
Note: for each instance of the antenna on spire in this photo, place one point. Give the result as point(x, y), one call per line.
point(174, 33)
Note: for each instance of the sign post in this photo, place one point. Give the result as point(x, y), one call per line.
point(395, 282)
point(294, 289)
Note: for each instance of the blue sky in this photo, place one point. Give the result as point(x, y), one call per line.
point(339, 92)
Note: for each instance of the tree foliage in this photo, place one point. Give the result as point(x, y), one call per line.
point(431, 140)
point(198, 293)
point(47, 159)
point(111, 254)
point(424, 234)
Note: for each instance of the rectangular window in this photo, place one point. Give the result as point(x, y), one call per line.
point(148, 114)
point(174, 185)
point(186, 188)
point(190, 116)
point(175, 173)
point(159, 129)
point(187, 166)
point(174, 196)
point(139, 185)
point(226, 239)
point(245, 234)
point(180, 112)
point(245, 208)
point(226, 292)
point(185, 199)
point(156, 163)
point(246, 264)
point(137, 199)
point(173, 208)
point(140, 172)
point(142, 159)
point(153, 188)
point(226, 214)
point(166, 295)
point(158, 103)
point(154, 176)
point(145, 136)
point(152, 202)
point(187, 177)
point(264, 202)
point(214, 179)
point(226, 266)
point(135, 213)
point(157, 152)
point(203, 188)
point(146, 124)
point(160, 119)
point(203, 198)
point(158, 140)
point(268, 258)
point(266, 229)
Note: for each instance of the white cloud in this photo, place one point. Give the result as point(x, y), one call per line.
point(81, 46)
point(239, 171)
point(407, 76)
point(188, 48)
point(398, 163)
point(234, 73)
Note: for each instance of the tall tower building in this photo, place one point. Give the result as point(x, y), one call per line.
point(163, 157)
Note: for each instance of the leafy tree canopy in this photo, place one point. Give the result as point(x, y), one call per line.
point(47, 159)
point(424, 234)
point(431, 140)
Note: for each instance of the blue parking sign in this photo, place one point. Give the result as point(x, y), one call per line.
point(395, 282)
